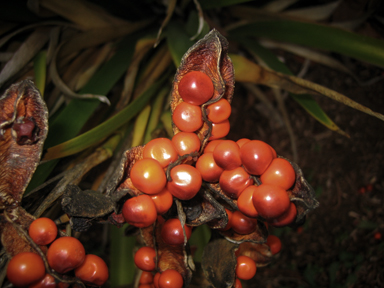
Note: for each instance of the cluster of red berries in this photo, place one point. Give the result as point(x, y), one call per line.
point(64, 254)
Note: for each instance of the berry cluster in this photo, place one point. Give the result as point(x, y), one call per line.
point(64, 255)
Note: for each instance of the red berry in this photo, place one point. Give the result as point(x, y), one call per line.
point(274, 244)
point(287, 218)
point(140, 211)
point(146, 278)
point(148, 176)
point(163, 201)
point(270, 201)
point(43, 231)
point(242, 224)
point(162, 150)
point(245, 203)
point(233, 182)
point(212, 145)
point(196, 88)
point(186, 143)
point(47, 282)
point(208, 168)
point(220, 130)
point(238, 283)
point(156, 280)
point(25, 268)
point(65, 254)
point(242, 141)
point(256, 156)
point(245, 268)
point(227, 155)
point(145, 258)
point(171, 279)
point(172, 232)
point(187, 117)
point(229, 224)
point(219, 111)
point(93, 270)
point(280, 173)
point(186, 182)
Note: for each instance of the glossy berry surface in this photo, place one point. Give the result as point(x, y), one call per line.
point(145, 258)
point(170, 279)
point(245, 268)
point(209, 170)
point(25, 268)
point(186, 143)
point(163, 201)
point(227, 155)
point(274, 244)
point(43, 231)
point(186, 182)
point(270, 201)
point(148, 176)
point(93, 270)
point(162, 150)
point(187, 117)
point(65, 253)
point(47, 282)
point(242, 141)
point(219, 111)
point(172, 232)
point(146, 277)
point(220, 130)
point(140, 211)
point(256, 156)
point(280, 172)
point(245, 203)
point(242, 224)
point(212, 145)
point(287, 218)
point(233, 182)
point(196, 88)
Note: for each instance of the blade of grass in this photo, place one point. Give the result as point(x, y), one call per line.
point(122, 266)
point(103, 130)
point(220, 3)
point(140, 126)
point(304, 100)
point(358, 46)
point(40, 69)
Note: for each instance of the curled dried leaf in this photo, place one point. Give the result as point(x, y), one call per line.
point(260, 253)
point(23, 129)
point(258, 236)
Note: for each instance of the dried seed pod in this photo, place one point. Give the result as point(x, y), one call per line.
point(209, 55)
point(260, 253)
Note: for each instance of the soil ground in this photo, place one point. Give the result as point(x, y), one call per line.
point(340, 245)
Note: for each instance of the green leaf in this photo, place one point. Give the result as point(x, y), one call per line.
point(178, 41)
point(220, 3)
point(305, 100)
point(361, 47)
point(199, 238)
point(105, 129)
point(40, 70)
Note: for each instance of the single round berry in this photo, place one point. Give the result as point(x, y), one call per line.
point(256, 156)
point(172, 232)
point(186, 182)
point(171, 279)
point(148, 176)
point(242, 224)
point(163, 201)
point(208, 168)
point(93, 270)
point(43, 231)
point(238, 283)
point(242, 141)
point(65, 254)
point(140, 211)
point(280, 173)
point(25, 268)
point(270, 201)
point(287, 218)
point(162, 150)
point(274, 244)
point(220, 130)
point(196, 88)
point(233, 182)
point(245, 203)
point(245, 268)
point(219, 111)
point(146, 278)
point(156, 280)
point(145, 258)
point(227, 155)
point(187, 117)
point(186, 143)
